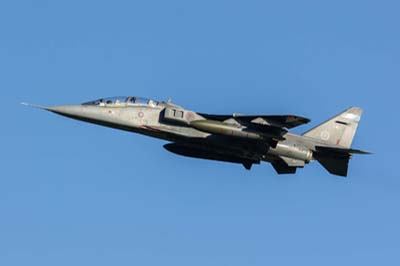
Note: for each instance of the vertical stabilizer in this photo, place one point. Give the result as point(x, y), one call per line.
point(339, 130)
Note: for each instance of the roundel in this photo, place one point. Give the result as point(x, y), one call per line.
point(140, 114)
point(325, 135)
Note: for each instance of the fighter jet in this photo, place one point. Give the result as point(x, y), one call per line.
point(235, 138)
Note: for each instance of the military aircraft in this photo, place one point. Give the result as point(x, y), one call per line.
point(236, 138)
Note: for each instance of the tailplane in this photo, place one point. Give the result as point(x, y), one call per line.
point(335, 160)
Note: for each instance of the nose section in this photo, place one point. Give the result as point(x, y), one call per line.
point(90, 114)
point(66, 110)
point(77, 112)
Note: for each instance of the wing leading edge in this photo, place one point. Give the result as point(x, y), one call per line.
point(283, 121)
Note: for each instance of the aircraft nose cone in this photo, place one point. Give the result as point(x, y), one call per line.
point(66, 110)
point(62, 110)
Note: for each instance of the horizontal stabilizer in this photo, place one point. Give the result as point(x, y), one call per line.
point(335, 165)
point(335, 160)
point(340, 150)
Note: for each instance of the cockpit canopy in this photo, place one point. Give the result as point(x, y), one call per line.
point(122, 101)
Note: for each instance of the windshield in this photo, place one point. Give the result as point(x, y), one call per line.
point(122, 101)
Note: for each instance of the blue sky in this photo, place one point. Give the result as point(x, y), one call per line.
point(78, 194)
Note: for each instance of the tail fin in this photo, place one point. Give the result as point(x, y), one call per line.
point(339, 130)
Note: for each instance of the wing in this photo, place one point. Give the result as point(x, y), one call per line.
point(287, 121)
point(280, 121)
